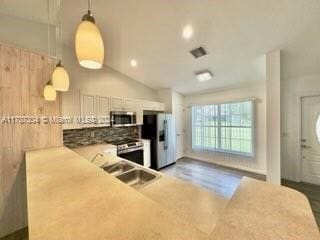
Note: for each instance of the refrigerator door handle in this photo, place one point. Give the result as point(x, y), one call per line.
point(165, 127)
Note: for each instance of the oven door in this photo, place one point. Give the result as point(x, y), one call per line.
point(134, 155)
point(120, 119)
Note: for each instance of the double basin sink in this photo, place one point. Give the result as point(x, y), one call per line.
point(131, 175)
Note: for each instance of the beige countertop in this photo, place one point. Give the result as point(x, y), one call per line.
point(263, 211)
point(88, 152)
point(198, 206)
point(70, 198)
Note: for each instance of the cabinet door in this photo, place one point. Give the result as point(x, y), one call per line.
point(147, 105)
point(146, 154)
point(152, 106)
point(139, 115)
point(103, 110)
point(158, 106)
point(134, 105)
point(117, 104)
point(130, 104)
point(88, 109)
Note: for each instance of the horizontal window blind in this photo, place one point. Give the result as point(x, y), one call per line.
point(226, 127)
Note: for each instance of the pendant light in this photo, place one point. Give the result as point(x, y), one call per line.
point(89, 43)
point(49, 92)
point(60, 77)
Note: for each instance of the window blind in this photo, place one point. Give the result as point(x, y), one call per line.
point(225, 127)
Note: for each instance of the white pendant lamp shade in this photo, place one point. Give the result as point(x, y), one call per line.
point(60, 78)
point(49, 93)
point(89, 44)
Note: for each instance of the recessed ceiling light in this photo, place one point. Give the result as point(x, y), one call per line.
point(187, 32)
point(133, 63)
point(204, 76)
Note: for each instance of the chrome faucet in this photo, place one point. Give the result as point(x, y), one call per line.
point(97, 155)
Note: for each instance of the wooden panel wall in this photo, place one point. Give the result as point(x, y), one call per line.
point(23, 75)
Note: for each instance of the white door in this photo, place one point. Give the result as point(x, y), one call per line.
point(310, 139)
point(179, 130)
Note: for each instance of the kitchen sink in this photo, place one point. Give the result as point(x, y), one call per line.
point(137, 178)
point(118, 168)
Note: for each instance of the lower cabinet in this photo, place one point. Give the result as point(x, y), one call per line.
point(146, 153)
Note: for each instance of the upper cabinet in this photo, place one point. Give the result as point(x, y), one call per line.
point(153, 106)
point(125, 104)
point(88, 105)
point(117, 104)
point(131, 104)
point(96, 106)
point(103, 109)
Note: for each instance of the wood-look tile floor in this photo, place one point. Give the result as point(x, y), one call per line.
point(225, 181)
point(221, 180)
point(19, 235)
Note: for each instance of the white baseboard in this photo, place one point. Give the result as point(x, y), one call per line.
point(252, 170)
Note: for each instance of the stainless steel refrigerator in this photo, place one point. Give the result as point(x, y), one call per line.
point(160, 129)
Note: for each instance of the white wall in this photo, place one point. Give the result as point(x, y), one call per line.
point(105, 82)
point(165, 96)
point(292, 90)
point(258, 164)
point(26, 34)
point(273, 118)
point(170, 98)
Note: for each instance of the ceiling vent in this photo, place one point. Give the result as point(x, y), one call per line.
point(198, 52)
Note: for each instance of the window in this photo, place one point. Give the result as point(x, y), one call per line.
point(227, 127)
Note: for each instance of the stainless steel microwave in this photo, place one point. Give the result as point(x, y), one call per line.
point(123, 119)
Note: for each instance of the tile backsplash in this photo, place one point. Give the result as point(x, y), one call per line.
point(89, 136)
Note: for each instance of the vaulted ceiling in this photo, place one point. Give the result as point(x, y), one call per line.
point(236, 34)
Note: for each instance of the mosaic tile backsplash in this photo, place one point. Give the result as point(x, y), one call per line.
point(83, 137)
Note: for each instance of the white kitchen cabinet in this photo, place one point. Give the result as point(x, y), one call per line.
point(146, 153)
point(158, 106)
point(134, 105)
point(117, 104)
point(139, 116)
point(103, 109)
point(152, 106)
point(88, 109)
point(93, 106)
point(130, 104)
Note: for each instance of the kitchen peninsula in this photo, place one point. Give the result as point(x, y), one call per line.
point(68, 193)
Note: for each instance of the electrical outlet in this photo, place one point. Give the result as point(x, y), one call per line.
point(92, 134)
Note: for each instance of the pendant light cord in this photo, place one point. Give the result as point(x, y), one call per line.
point(60, 31)
point(89, 5)
point(48, 18)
